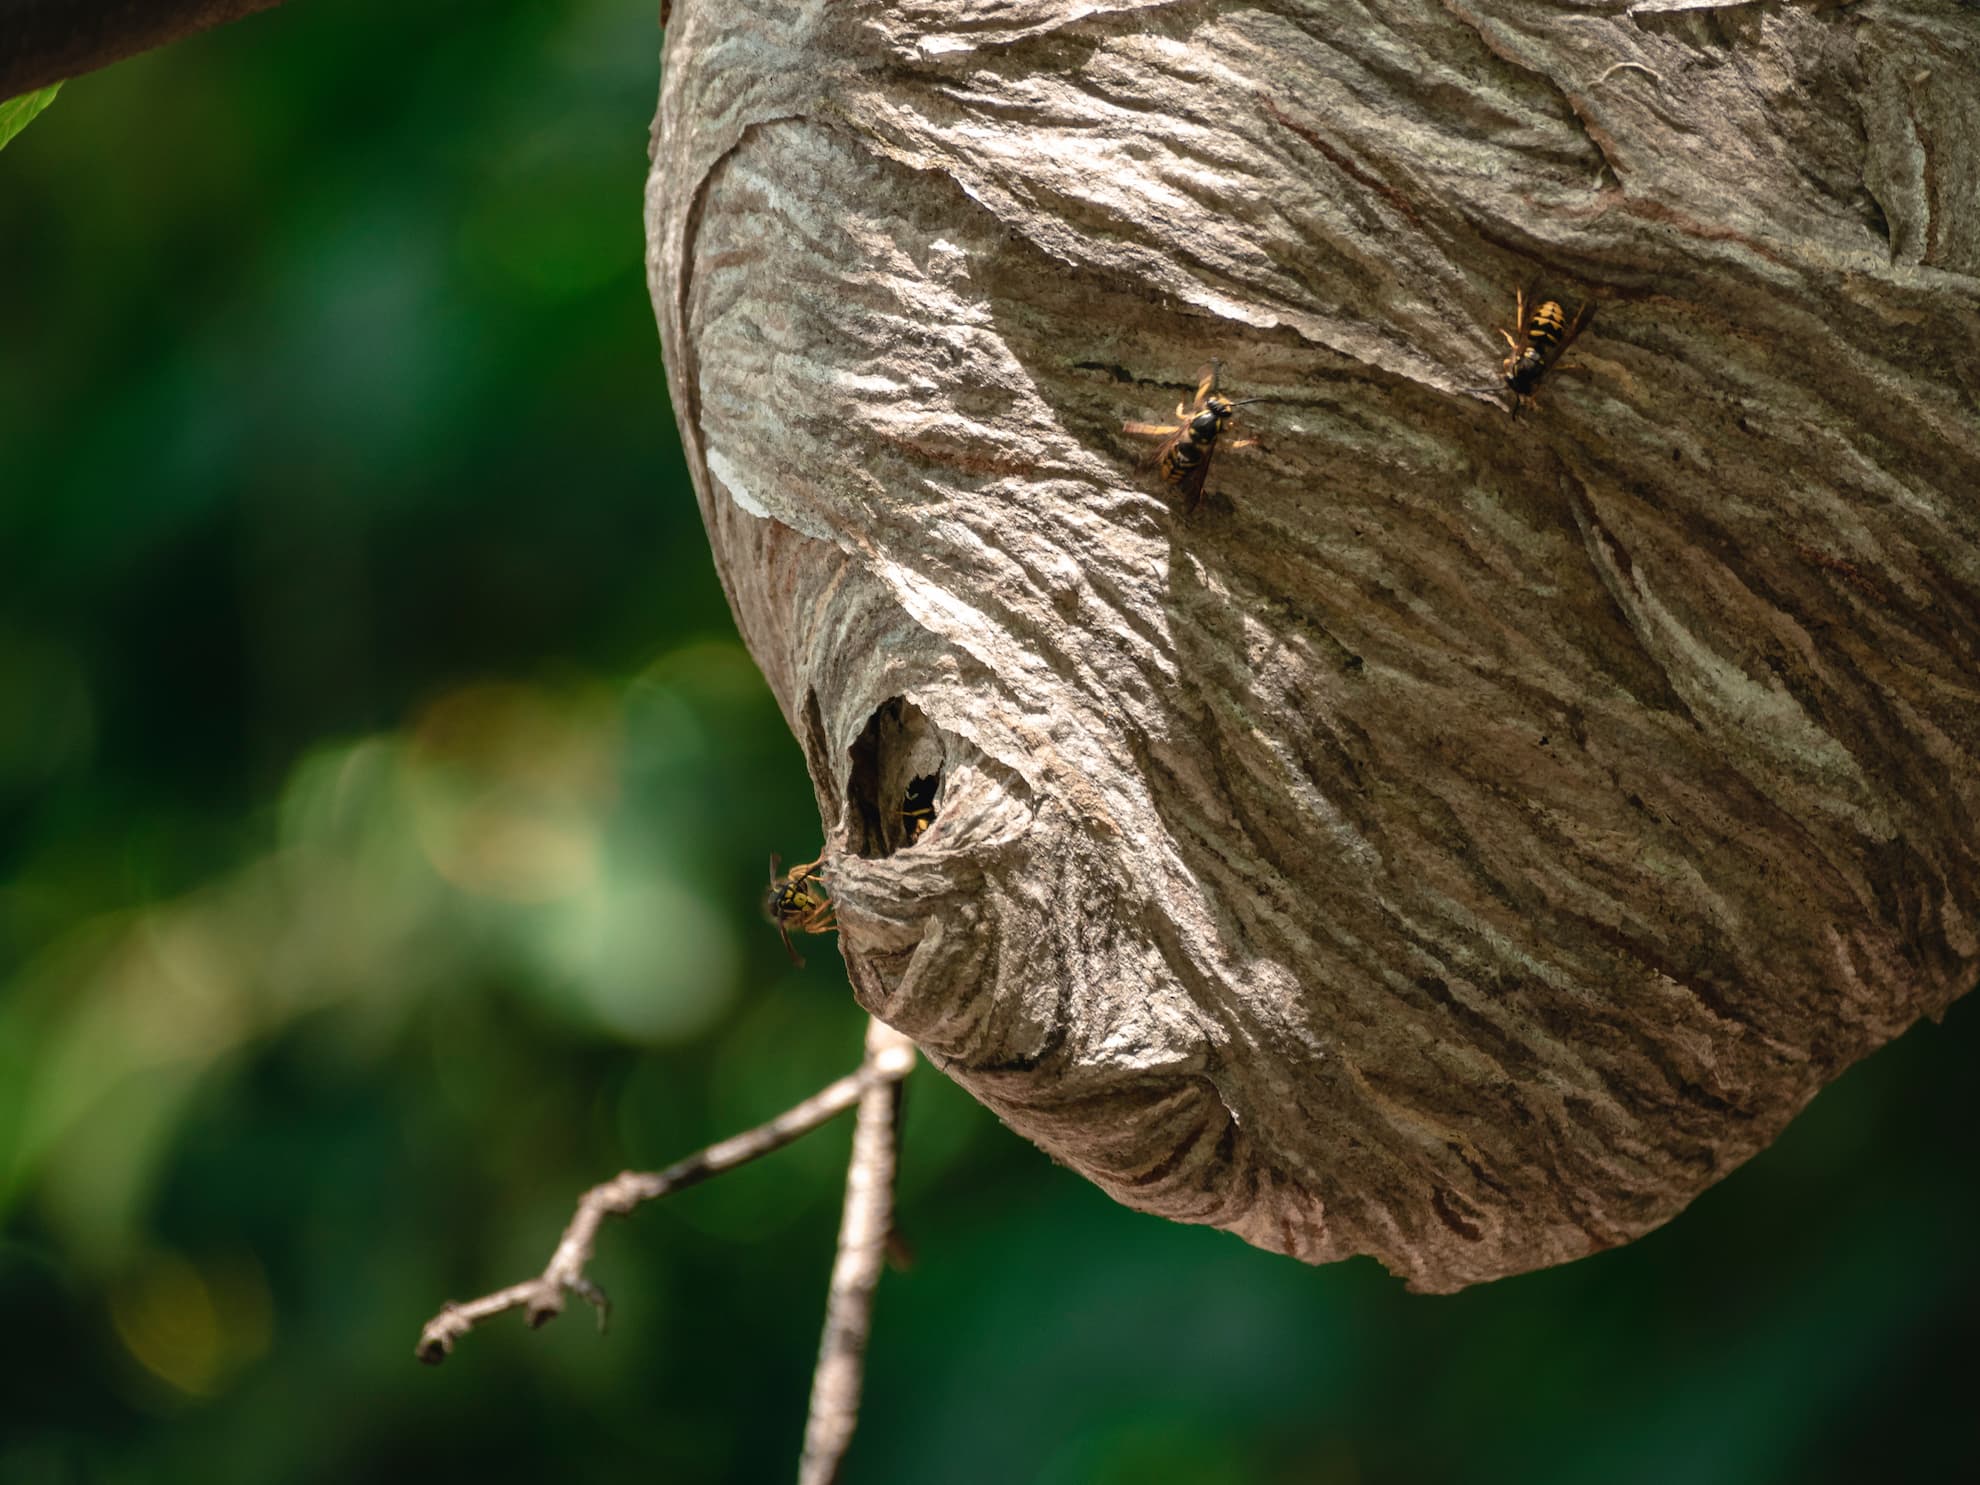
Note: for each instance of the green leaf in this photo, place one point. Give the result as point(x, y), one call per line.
point(17, 113)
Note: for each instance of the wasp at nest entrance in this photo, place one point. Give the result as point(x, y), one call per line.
point(894, 792)
point(797, 901)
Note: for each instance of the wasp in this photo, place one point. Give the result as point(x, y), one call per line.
point(1184, 457)
point(797, 900)
point(918, 807)
point(1542, 338)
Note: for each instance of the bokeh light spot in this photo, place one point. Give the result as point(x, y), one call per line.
point(648, 959)
point(509, 787)
point(191, 1328)
point(166, 1318)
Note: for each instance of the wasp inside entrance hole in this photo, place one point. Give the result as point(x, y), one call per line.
point(918, 805)
point(1188, 443)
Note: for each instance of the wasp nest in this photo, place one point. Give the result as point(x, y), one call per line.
point(1463, 838)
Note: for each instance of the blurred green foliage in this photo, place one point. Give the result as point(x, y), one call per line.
point(384, 802)
point(17, 113)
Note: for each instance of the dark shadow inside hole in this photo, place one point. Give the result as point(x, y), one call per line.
point(894, 791)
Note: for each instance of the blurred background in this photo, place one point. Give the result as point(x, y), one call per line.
point(384, 806)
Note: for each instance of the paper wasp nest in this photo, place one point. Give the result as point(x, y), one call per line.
point(1465, 838)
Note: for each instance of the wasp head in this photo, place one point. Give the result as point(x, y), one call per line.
point(1523, 369)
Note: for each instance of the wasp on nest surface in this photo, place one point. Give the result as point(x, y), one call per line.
point(1543, 336)
point(1188, 443)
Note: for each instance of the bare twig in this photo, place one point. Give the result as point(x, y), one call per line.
point(542, 1298)
point(863, 1236)
point(49, 40)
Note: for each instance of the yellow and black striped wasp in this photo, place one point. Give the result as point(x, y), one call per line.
point(1542, 338)
point(918, 807)
point(797, 900)
point(1184, 457)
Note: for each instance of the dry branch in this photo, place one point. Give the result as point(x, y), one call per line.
point(863, 1233)
point(46, 41)
point(888, 1059)
point(1465, 840)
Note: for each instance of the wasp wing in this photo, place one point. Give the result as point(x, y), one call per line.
point(1206, 380)
point(1171, 435)
point(1581, 317)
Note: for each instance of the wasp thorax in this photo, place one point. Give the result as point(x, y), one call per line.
point(1523, 371)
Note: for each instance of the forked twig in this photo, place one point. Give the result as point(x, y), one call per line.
point(864, 1229)
point(541, 1299)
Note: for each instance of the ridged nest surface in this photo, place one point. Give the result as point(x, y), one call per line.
point(1465, 837)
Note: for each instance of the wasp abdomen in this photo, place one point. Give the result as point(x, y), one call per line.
point(1549, 321)
point(1185, 456)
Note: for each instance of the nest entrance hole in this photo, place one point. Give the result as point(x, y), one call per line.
point(894, 795)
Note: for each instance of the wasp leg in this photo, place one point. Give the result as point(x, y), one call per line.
point(1152, 430)
point(1509, 340)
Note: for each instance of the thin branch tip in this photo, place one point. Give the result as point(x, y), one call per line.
point(436, 1341)
point(889, 1058)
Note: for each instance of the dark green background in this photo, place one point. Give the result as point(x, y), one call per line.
point(384, 800)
